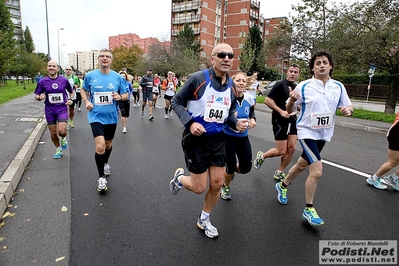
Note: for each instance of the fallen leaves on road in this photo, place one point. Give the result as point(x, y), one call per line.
point(86, 214)
point(64, 209)
point(60, 258)
point(2, 238)
point(7, 214)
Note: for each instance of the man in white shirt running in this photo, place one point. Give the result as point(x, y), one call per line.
point(319, 98)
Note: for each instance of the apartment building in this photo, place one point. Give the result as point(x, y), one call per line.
point(130, 39)
point(280, 59)
point(14, 6)
point(217, 21)
point(84, 62)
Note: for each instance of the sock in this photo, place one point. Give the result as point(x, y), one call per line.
point(204, 215)
point(375, 177)
point(107, 154)
point(395, 176)
point(100, 161)
point(309, 205)
point(279, 172)
point(178, 180)
point(283, 185)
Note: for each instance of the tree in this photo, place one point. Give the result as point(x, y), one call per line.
point(7, 41)
point(367, 33)
point(127, 57)
point(310, 27)
point(186, 40)
point(253, 56)
point(29, 45)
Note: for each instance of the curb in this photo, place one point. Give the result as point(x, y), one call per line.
point(362, 127)
point(13, 174)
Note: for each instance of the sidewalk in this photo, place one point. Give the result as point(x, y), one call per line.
point(21, 127)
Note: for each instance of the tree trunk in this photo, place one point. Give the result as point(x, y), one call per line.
point(392, 95)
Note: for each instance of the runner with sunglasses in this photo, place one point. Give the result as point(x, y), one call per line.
point(205, 102)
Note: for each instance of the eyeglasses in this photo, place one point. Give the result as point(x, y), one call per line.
point(104, 55)
point(222, 55)
point(68, 69)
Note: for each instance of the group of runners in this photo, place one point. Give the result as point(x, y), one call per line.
point(217, 114)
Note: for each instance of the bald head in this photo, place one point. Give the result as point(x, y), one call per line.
point(52, 62)
point(222, 47)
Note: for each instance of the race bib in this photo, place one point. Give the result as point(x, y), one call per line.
point(171, 86)
point(321, 121)
point(56, 98)
point(103, 98)
point(149, 84)
point(216, 113)
point(155, 89)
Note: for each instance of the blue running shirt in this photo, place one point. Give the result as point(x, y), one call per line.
point(100, 86)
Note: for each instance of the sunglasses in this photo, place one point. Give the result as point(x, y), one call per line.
point(68, 69)
point(222, 55)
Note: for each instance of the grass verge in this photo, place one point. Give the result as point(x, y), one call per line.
point(11, 91)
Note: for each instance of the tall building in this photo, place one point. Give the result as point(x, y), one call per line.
point(84, 62)
point(217, 21)
point(14, 6)
point(280, 59)
point(130, 39)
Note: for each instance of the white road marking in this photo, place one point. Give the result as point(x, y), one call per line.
point(346, 168)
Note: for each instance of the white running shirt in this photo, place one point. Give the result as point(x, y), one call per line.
point(318, 104)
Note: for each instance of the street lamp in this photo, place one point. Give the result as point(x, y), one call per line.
point(48, 41)
point(62, 54)
point(58, 35)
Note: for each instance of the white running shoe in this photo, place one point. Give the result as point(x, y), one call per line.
point(391, 181)
point(124, 130)
point(102, 184)
point(166, 116)
point(207, 227)
point(376, 182)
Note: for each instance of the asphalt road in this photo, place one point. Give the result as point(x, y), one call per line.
point(140, 222)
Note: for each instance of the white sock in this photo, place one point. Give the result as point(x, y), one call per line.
point(204, 215)
point(178, 180)
point(375, 177)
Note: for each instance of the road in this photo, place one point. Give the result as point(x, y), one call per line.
point(140, 222)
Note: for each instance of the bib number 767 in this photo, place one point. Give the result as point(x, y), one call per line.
point(320, 121)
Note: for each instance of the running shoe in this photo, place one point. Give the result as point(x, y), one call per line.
point(376, 182)
point(64, 143)
point(391, 181)
point(310, 215)
point(170, 113)
point(279, 176)
point(142, 113)
point(107, 171)
point(207, 227)
point(151, 117)
point(166, 116)
point(258, 160)
point(124, 130)
point(225, 193)
point(281, 193)
point(72, 124)
point(79, 109)
point(58, 153)
point(174, 183)
point(102, 184)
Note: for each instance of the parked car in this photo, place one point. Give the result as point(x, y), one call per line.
point(265, 91)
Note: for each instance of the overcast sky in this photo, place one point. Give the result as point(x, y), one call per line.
point(89, 23)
